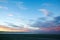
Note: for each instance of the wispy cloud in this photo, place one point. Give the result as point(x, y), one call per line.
point(10, 15)
point(3, 7)
point(46, 12)
point(21, 5)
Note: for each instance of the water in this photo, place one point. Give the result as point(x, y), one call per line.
point(29, 37)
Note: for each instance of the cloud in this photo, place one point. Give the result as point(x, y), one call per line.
point(8, 29)
point(39, 26)
point(3, 7)
point(46, 12)
point(48, 26)
point(30, 27)
point(10, 14)
point(50, 29)
point(17, 29)
point(57, 20)
point(41, 22)
point(11, 25)
point(21, 5)
point(52, 23)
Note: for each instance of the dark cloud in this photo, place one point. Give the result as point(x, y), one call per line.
point(39, 22)
point(53, 23)
point(11, 24)
point(50, 14)
point(57, 20)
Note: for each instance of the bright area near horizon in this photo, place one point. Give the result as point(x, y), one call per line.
point(30, 14)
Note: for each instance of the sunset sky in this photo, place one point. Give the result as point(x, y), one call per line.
point(30, 14)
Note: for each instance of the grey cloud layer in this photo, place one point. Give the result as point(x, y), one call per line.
point(53, 23)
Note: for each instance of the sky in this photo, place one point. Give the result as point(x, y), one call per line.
point(29, 13)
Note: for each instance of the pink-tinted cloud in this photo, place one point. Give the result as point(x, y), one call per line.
point(50, 29)
point(45, 11)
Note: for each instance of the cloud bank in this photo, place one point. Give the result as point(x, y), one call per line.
point(48, 25)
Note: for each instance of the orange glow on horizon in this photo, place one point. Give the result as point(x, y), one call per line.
point(7, 29)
